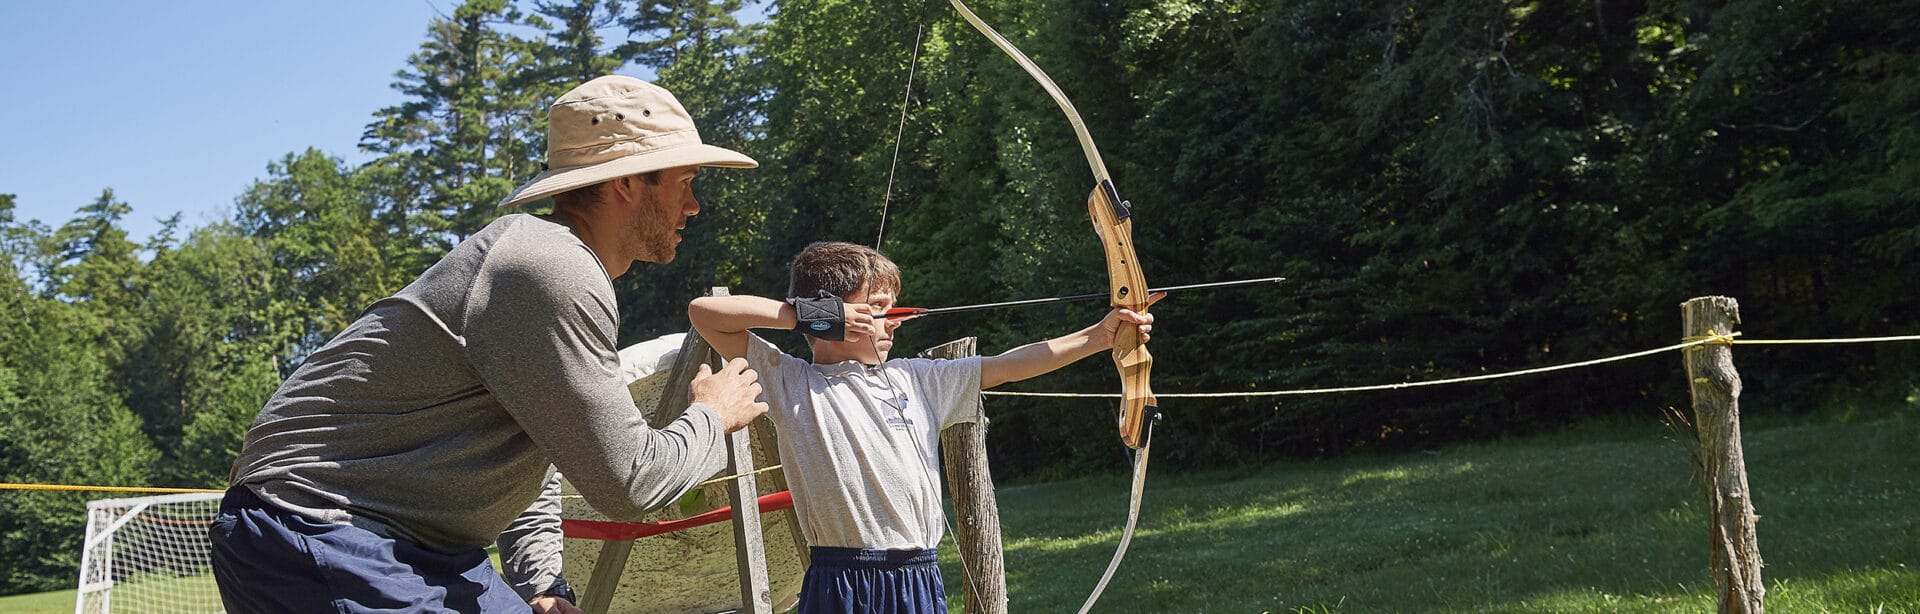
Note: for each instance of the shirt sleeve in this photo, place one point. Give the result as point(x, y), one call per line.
point(782, 377)
point(768, 361)
point(540, 329)
point(951, 388)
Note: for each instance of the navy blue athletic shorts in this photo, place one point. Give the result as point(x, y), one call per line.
point(854, 580)
point(267, 559)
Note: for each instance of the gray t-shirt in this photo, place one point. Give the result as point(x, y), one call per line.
point(860, 445)
point(434, 415)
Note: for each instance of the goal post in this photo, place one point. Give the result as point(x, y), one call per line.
point(148, 554)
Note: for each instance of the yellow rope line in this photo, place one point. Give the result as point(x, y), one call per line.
point(737, 476)
point(1813, 341)
point(1711, 339)
point(8, 486)
point(1686, 343)
point(724, 478)
point(158, 490)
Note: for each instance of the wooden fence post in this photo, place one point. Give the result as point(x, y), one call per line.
point(756, 592)
point(1715, 387)
point(975, 509)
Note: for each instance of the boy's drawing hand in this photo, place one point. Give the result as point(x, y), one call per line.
point(1142, 322)
point(732, 393)
point(860, 323)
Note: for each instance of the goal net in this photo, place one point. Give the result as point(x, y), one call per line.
point(148, 554)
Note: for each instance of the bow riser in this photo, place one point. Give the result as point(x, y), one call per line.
point(1114, 225)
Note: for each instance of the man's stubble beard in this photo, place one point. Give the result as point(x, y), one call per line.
point(653, 236)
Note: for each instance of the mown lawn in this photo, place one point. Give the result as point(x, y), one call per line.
point(56, 602)
point(1601, 518)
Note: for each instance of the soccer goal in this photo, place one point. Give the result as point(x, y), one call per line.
point(148, 554)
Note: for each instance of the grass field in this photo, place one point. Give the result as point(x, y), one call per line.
point(57, 602)
point(1600, 518)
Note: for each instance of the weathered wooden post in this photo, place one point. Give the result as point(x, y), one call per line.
point(1715, 387)
point(756, 592)
point(975, 509)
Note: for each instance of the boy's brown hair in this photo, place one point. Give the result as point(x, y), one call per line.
point(841, 269)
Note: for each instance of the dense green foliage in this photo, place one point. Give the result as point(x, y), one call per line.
point(1453, 188)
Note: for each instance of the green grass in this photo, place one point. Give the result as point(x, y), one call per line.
point(151, 592)
point(1599, 518)
point(56, 602)
point(1602, 518)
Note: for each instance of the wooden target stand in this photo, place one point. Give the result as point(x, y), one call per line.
point(976, 513)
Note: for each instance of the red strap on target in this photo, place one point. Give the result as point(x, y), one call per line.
point(607, 530)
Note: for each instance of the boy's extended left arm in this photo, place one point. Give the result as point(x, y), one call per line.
point(1042, 357)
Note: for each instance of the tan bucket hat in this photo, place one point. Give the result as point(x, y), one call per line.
point(615, 126)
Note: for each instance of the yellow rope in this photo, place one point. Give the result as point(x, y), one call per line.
point(1686, 343)
point(724, 478)
point(729, 478)
point(1813, 341)
point(1711, 339)
point(7, 486)
point(158, 490)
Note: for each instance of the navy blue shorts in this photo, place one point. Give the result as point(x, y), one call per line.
point(853, 580)
point(267, 559)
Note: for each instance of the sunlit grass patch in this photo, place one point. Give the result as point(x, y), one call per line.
point(1608, 521)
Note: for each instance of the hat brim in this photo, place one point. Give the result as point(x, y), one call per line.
point(559, 180)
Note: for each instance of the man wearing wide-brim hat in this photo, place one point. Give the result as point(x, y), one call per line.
point(379, 472)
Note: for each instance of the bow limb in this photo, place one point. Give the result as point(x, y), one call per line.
point(1112, 220)
point(1127, 288)
point(1066, 106)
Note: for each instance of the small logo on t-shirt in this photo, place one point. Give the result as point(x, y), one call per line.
point(900, 423)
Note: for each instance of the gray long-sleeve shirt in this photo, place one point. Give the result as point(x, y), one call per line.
point(433, 416)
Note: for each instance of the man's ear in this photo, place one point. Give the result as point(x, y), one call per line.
point(621, 189)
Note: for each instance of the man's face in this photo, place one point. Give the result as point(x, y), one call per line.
point(662, 212)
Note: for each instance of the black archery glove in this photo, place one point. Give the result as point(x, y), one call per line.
point(824, 317)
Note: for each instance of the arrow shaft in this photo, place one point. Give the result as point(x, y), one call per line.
point(914, 312)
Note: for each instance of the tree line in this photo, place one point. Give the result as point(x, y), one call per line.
point(1452, 187)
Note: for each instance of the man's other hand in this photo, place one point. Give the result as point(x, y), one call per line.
point(549, 604)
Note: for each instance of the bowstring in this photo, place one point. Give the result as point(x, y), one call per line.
point(880, 370)
point(886, 201)
point(906, 95)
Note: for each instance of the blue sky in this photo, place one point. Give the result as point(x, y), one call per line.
point(179, 106)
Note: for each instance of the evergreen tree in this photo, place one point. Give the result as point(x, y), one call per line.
point(61, 418)
point(701, 52)
point(456, 146)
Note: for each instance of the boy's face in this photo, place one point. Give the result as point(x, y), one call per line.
point(858, 346)
point(881, 301)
